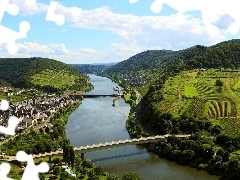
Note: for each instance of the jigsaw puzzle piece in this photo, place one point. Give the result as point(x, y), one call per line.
point(232, 9)
point(181, 6)
point(4, 105)
point(4, 170)
point(31, 170)
point(12, 124)
point(9, 36)
point(5, 6)
point(51, 16)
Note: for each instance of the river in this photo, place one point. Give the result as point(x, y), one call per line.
point(97, 121)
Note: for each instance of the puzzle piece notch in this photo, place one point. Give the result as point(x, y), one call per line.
point(9, 36)
point(51, 16)
point(12, 124)
point(5, 6)
point(31, 171)
point(181, 6)
point(4, 170)
point(4, 105)
point(209, 14)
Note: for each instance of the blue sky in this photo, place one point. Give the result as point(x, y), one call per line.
point(114, 30)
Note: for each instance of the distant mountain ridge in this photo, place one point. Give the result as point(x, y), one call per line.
point(96, 68)
point(222, 55)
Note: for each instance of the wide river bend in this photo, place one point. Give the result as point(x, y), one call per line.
point(97, 121)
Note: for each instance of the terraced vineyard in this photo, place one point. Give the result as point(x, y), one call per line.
point(222, 109)
point(57, 79)
point(195, 93)
point(206, 92)
point(196, 108)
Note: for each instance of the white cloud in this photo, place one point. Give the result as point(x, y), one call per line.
point(71, 14)
point(148, 31)
point(25, 9)
point(117, 52)
point(55, 51)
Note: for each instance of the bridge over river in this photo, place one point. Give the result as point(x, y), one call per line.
point(98, 95)
point(95, 147)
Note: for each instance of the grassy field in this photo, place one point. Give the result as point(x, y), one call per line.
point(127, 97)
point(190, 92)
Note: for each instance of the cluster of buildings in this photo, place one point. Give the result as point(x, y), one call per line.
point(9, 91)
point(33, 112)
point(135, 80)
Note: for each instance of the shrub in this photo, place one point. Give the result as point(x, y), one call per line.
point(218, 82)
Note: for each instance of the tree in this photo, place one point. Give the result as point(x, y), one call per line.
point(131, 176)
point(56, 160)
point(112, 177)
point(42, 176)
point(71, 156)
point(218, 82)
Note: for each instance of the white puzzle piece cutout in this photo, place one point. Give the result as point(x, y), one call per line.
point(31, 171)
point(4, 105)
point(9, 36)
point(12, 124)
point(5, 6)
point(51, 16)
point(12, 121)
point(4, 170)
point(209, 14)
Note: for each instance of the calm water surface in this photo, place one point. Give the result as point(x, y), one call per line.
point(97, 121)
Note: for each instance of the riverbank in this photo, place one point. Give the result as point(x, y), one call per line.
point(51, 141)
point(96, 121)
point(136, 131)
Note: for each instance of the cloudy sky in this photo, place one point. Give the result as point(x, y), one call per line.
point(97, 31)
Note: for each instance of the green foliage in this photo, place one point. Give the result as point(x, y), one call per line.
point(91, 69)
point(44, 74)
point(165, 110)
point(37, 142)
point(218, 82)
point(152, 64)
point(131, 176)
point(190, 92)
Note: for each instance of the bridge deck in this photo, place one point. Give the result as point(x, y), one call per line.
point(94, 147)
point(98, 95)
point(126, 142)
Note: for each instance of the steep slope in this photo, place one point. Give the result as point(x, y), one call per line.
point(153, 63)
point(41, 73)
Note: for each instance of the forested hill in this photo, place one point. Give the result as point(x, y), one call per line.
point(41, 73)
point(225, 54)
point(91, 68)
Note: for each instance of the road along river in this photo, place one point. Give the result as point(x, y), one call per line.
point(97, 121)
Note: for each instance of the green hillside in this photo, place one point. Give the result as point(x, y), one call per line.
point(91, 68)
point(154, 63)
point(196, 94)
point(41, 73)
point(192, 91)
